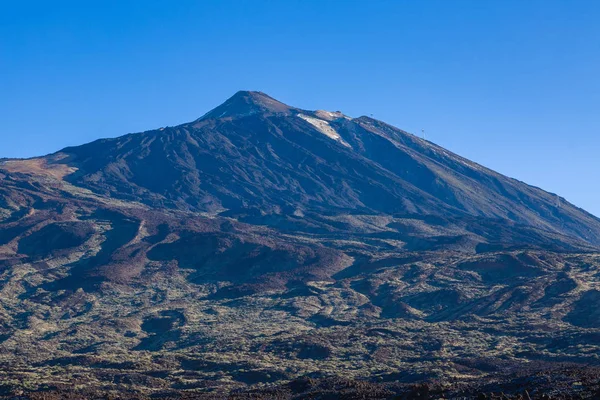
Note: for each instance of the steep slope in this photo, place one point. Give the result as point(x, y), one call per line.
point(256, 153)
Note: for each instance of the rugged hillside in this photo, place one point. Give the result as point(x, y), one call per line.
point(262, 244)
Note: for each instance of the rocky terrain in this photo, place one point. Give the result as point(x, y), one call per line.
point(267, 251)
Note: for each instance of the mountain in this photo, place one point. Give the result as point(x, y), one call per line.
point(254, 154)
point(261, 243)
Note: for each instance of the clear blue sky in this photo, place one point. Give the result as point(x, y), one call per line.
point(512, 84)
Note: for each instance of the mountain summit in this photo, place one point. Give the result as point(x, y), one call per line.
point(245, 103)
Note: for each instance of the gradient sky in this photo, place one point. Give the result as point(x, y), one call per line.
point(511, 84)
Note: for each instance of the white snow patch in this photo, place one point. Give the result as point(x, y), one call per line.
point(324, 127)
point(330, 115)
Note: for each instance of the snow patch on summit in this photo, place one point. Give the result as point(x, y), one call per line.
point(330, 115)
point(324, 127)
